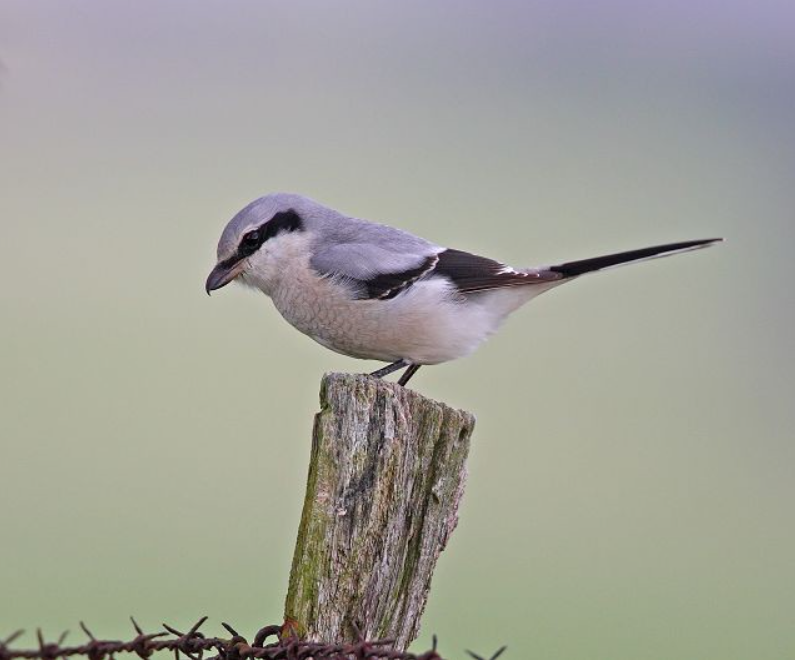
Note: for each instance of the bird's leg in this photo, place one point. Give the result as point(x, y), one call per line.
point(390, 368)
point(413, 369)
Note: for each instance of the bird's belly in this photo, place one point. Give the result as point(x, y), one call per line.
point(425, 325)
point(350, 327)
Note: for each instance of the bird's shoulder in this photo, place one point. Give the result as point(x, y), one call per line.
point(377, 260)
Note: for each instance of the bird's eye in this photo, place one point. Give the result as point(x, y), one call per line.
point(250, 243)
point(252, 238)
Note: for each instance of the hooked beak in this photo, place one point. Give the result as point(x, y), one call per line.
point(222, 275)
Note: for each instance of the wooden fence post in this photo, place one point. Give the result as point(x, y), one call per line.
point(386, 476)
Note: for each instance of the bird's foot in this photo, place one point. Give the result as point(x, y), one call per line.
point(395, 366)
point(408, 373)
point(390, 368)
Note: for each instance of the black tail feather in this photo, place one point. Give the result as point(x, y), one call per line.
point(575, 268)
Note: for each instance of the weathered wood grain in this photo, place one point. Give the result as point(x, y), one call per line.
point(386, 476)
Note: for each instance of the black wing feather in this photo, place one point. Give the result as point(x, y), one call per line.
point(388, 285)
point(471, 273)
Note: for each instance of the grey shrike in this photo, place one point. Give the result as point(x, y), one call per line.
point(373, 292)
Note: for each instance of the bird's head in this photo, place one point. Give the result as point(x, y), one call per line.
point(255, 242)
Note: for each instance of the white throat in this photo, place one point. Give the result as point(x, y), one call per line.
point(268, 268)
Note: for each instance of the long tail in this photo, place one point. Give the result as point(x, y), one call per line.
point(575, 268)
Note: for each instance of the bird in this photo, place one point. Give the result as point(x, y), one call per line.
point(374, 292)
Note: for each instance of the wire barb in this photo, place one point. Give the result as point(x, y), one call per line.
point(12, 637)
point(85, 629)
point(494, 657)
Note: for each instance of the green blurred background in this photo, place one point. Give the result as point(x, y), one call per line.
point(632, 486)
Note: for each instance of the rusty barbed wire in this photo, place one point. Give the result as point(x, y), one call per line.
point(194, 645)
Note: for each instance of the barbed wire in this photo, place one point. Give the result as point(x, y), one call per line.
point(194, 645)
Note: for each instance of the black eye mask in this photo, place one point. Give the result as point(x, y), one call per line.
point(284, 221)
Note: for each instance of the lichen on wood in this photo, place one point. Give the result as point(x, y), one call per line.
point(386, 476)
